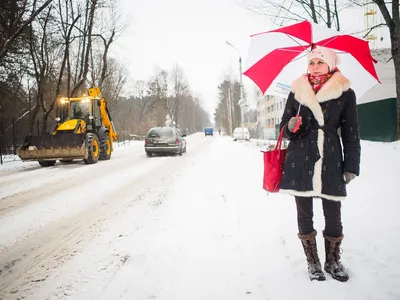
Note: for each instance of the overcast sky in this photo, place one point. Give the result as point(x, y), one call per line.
point(192, 33)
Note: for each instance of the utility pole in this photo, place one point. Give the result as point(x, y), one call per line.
point(242, 101)
point(229, 109)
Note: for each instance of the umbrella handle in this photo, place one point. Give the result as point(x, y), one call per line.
point(298, 123)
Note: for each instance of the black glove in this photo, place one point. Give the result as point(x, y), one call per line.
point(292, 123)
point(348, 177)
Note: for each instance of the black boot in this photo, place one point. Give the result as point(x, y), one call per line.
point(332, 264)
point(310, 249)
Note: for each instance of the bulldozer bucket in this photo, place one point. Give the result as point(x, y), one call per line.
point(52, 147)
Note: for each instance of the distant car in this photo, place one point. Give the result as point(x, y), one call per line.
point(241, 133)
point(164, 140)
point(208, 131)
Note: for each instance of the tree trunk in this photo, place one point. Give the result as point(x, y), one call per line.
point(328, 14)
point(314, 14)
point(393, 22)
point(82, 80)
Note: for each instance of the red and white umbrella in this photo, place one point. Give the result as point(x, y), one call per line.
point(278, 57)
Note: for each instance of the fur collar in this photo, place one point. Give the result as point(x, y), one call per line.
point(332, 89)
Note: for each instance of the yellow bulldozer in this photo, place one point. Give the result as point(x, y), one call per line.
point(84, 130)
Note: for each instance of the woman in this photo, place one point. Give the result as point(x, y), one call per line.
point(314, 164)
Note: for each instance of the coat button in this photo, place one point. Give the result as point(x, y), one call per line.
point(293, 182)
point(293, 165)
point(324, 168)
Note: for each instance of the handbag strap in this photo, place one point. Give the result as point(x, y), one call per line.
point(279, 142)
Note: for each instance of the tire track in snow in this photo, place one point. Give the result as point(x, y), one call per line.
point(70, 179)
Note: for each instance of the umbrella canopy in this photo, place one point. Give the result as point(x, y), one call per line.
point(278, 57)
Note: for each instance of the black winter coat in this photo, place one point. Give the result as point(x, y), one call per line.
point(314, 163)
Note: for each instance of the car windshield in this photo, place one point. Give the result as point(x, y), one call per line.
point(160, 132)
point(240, 130)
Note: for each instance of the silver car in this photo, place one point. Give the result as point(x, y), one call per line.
point(164, 140)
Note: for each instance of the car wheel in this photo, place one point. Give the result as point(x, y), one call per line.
point(149, 154)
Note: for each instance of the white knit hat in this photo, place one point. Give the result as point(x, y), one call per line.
point(326, 54)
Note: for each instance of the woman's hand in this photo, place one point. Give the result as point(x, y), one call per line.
point(292, 123)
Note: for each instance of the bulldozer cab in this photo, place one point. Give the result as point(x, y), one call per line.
point(80, 109)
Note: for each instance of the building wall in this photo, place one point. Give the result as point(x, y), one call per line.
point(378, 120)
point(377, 116)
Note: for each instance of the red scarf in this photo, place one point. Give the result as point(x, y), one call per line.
point(317, 82)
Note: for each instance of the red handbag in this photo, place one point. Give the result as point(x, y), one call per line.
point(273, 166)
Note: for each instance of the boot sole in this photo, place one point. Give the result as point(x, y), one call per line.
point(341, 279)
point(317, 277)
point(320, 278)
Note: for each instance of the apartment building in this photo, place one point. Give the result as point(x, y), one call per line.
point(269, 114)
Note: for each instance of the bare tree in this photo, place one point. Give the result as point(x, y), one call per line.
point(43, 60)
point(179, 85)
point(298, 10)
point(158, 91)
point(87, 47)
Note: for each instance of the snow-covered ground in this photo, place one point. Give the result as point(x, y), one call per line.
point(192, 227)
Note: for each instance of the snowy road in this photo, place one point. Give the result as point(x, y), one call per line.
point(193, 227)
point(48, 214)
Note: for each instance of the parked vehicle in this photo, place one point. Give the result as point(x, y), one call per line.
point(241, 133)
point(208, 131)
point(164, 140)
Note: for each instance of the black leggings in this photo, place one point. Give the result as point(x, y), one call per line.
point(332, 213)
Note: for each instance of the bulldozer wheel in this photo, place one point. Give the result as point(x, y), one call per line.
point(93, 149)
point(47, 163)
point(105, 147)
